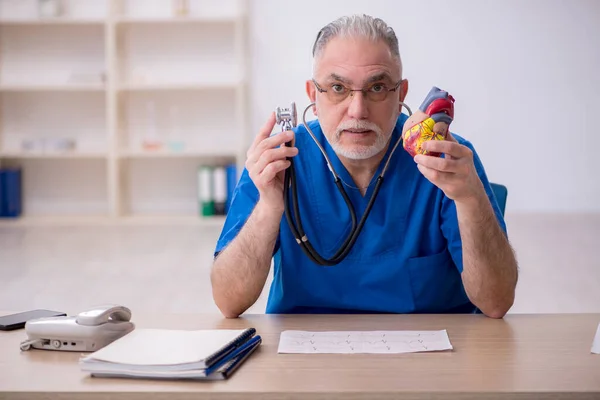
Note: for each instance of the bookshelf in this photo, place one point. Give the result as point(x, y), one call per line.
point(110, 107)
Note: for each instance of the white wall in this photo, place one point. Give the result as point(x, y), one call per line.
point(524, 75)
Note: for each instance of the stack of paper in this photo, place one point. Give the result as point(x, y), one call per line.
point(173, 354)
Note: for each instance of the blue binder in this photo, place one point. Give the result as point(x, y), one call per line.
point(11, 203)
point(224, 368)
point(218, 366)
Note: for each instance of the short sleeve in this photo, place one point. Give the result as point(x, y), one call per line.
point(244, 198)
point(448, 212)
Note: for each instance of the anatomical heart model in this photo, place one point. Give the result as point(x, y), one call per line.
point(430, 122)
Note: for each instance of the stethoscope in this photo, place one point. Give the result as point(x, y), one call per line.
point(287, 118)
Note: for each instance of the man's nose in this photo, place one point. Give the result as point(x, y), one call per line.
point(358, 107)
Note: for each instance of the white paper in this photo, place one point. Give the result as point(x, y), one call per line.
point(164, 347)
point(348, 342)
point(596, 344)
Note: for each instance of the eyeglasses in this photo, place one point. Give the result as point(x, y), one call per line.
point(336, 92)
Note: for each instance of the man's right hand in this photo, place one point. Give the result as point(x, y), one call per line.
point(266, 163)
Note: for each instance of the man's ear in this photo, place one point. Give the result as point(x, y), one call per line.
point(311, 92)
point(402, 92)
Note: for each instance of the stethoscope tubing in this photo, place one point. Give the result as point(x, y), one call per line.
point(295, 221)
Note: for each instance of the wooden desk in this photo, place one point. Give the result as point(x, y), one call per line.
point(522, 356)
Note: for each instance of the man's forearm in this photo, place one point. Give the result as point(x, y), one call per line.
point(240, 271)
point(489, 265)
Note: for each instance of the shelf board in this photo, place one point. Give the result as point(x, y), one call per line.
point(175, 154)
point(53, 220)
point(51, 88)
point(51, 21)
point(176, 20)
point(192, 86)
point(130, 220)
point(57, 155)
point(214, 221)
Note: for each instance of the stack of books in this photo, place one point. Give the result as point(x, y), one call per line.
point(173, 354)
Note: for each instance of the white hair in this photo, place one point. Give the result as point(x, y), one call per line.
point(363, 26)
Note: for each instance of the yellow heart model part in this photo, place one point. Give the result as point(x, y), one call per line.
point(418, 134)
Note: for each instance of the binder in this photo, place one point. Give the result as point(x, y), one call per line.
point(2, 194)
point(220, 189)
point(173, 354)
point(11, 202)
point(232, 180)
point(229, 367)
point(222, 369)
point(205, 191)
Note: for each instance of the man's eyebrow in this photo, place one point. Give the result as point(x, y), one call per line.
point(379, 77)
point(336, 77)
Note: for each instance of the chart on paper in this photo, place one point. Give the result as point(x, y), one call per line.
point(347, 342)
point(596, 342)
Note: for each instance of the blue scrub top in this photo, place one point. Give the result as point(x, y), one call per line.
point(407, 259)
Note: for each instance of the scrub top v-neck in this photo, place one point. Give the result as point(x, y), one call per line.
point(407, 259)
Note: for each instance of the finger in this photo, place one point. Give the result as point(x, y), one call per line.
point(433, 175)
point(450, 137)
point(274, 141)
point(437, 163)
point(453, 149)
point(273, 155)
point(265, 131)
point(271, 170)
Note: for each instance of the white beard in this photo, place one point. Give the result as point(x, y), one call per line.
point(359, 152)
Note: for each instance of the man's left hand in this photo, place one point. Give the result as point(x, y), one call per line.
point(455, 173)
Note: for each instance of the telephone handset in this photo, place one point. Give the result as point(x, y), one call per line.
point(90, 330)
point(103, 314)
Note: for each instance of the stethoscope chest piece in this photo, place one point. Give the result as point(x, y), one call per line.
point(287, 117)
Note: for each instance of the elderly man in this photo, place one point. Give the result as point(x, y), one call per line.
point(435, 240)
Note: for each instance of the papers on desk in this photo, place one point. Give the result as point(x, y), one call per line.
point(173, 354)
point(596, 343)
point(347, 342)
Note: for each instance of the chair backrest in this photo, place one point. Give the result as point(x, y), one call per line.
point(501, 193)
